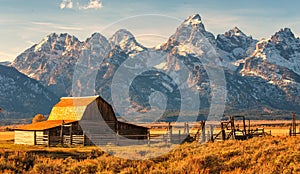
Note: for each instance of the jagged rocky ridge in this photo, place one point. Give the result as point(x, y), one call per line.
point(260, 76)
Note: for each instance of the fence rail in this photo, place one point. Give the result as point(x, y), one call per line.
point(104, 139)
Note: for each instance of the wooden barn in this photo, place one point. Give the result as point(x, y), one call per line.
point(80, 121)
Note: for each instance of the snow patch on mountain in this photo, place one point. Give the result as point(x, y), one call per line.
point(126, 41)
point(282, 49)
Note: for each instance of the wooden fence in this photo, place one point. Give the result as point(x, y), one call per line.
point(55, 140)
point(102, 139)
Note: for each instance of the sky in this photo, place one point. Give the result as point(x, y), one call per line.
point(24, 23)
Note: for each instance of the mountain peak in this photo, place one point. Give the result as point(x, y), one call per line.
point(286, 30)
point(123, 32)
point(191, 31)
point(194, 20)
point(235, 32)
point(54, 36)
point(283, 35)
point(51, 35)
point(122, 36)
point(96, 38)
point(54, 41)
point(96, 35)
point(126, 41)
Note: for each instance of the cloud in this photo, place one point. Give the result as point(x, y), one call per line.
point(42, 23)
point(66, 4)
point(53, 26)
point(93, 4)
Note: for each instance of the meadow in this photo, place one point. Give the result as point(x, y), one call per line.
point(268, 155)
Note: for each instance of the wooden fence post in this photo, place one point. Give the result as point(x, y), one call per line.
point(49, 139)
point(244, 128)
point(211, 133)
point(232, 126)
point(203, 138)
point(169, 139)
point(187, 128)
point(223, 131)
point(61, 133)
point(117, 138)
point(71, 135)
point(249, 127)
point(293, 129)
point(171, 134)
point(34, 136)
point(148, 138)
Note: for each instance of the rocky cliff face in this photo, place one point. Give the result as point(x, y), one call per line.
point(235, 45)
point(51, 62)
point(276, 61)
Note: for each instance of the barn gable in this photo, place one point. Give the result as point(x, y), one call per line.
point(71, 108)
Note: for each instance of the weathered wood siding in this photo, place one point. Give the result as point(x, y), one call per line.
point(26, 137)
point(128, 130)
point(99, 123)
point(41, 138)
point(106, 110)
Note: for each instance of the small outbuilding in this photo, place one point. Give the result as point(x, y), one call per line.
point(80, 121)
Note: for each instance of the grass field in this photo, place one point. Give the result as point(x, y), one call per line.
point(5, 136)
point(268, 155)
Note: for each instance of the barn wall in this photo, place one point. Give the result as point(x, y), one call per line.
point(96, 122)
point(106, 110)
point(24, 137)
point(130, 129)
point(39, 133)
point(40, 138)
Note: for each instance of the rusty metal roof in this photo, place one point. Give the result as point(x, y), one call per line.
point(44, 125)
point(71, 108)
point(75, 101)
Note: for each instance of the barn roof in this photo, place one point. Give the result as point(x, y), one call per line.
point(71, 108)
point(44, 125)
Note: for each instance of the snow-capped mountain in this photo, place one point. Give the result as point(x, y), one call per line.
point(260, 75)
point(277, 61)
point(48, 60)
point(282, 49)
point(126, 42)
point(191, 31)
point(22, 97)
point(234, 45)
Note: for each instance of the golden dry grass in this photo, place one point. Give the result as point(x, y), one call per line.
point(6, 136)
point(267, 155)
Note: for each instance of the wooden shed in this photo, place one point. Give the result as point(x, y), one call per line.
point(79, 121)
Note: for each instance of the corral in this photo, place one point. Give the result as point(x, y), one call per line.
point(293, 131)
